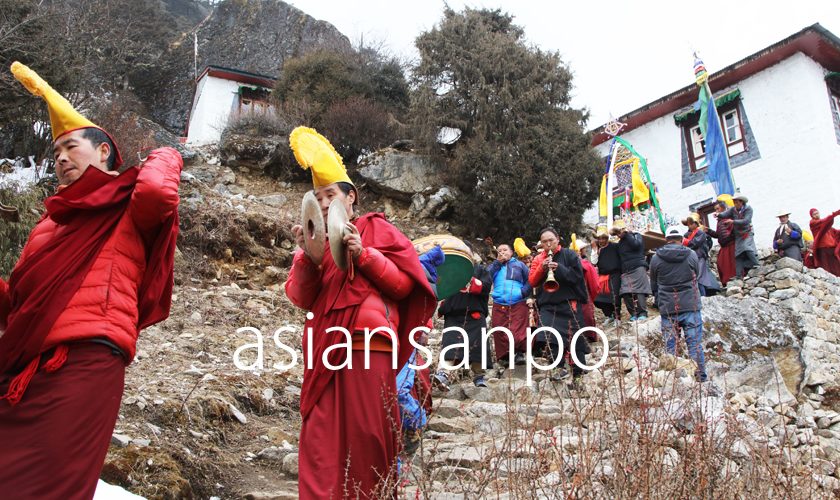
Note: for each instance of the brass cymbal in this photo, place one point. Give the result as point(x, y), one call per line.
point(336, 229)
point(314, 231)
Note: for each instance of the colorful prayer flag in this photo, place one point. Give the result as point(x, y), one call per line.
point(718, 171)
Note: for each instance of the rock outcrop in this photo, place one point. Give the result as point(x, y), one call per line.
point(401, 174)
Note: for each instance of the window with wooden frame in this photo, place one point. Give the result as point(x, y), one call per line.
point(705, 211)
point(733, 132)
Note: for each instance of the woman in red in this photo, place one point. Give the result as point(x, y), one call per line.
point(826, 241)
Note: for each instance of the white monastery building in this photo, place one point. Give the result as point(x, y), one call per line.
point(222, 94)
point(780, 114)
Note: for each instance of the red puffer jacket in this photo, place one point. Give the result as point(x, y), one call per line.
point(105, 305)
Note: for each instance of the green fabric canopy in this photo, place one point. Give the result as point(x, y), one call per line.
point(719, 101)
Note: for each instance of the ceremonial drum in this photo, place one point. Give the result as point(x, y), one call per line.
point(457, 268)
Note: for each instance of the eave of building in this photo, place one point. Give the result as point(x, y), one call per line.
point(238, 76)
point(814, 41)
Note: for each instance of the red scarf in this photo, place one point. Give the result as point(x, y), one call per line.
point(43, 283)
point(337, 304)
point(690, 237)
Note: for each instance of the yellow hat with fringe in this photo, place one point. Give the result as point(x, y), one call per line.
point(314, 152)
point(521, 248)
point(63, 117)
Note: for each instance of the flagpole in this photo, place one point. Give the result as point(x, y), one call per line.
point(726, 144)
point(610, 182)
point(711, 97)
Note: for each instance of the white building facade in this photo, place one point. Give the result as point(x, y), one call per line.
point(222, 94)
point(781, 120)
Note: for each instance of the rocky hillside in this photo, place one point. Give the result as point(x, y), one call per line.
point(192, 425)
point(249, 35)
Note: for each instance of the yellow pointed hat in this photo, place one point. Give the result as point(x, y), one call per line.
point(63, 117)
point(313, 151)
point(521, 248)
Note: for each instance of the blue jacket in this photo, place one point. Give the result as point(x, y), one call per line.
point(412, 414)
point(510, 282)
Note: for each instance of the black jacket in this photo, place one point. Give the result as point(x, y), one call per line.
point(609, 262)
point(674, 270)
point(569, 275)
point(461, 304)
point(701, 244)
point(631, 250)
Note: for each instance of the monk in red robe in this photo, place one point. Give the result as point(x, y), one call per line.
point(97, 268)
point(350, 434)
point(826, 247)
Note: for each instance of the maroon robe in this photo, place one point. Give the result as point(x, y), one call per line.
point(349, 436)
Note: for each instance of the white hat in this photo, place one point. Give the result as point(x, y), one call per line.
point(673, 232)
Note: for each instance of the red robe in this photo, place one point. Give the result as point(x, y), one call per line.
point(350, 430)
point(826, 247)
point(57, 423)
point(590, 275)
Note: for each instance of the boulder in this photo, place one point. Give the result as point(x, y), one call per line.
point(764, 378)
point(401, 174)
point(243, 149)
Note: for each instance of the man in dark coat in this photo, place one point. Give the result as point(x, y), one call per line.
point(741, 215)
point(635, 284)
point(674, 268)
point(560, 308)
point(606, 258)
point(468, 310)
point(787, 240)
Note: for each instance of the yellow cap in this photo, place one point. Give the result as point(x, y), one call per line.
point(521, 248)
point(726, 198)
point(807, 236)
point(63, 117)
point(313, 151)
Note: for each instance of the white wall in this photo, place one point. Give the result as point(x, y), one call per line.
point(214, 100)
point(787, 106)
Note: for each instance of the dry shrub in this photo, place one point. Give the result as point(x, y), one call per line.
point(357, 126)
point(149, 472)
point(121, 118)
point(258, 124)
point(13, 235)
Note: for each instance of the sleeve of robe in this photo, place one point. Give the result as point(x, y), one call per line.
point(384, 274)
point(304, 281)
point(155, 196)
point(537, 273)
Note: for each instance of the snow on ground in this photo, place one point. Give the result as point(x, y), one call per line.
point(105, 491)
point(23, 173)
